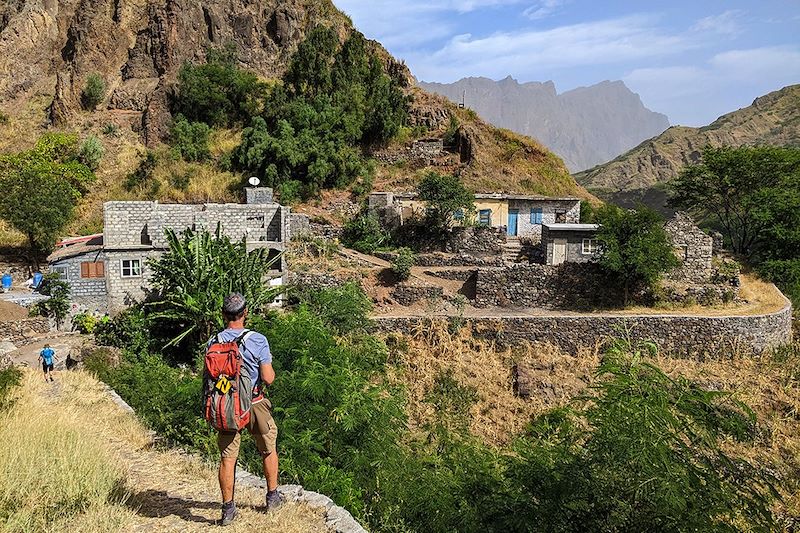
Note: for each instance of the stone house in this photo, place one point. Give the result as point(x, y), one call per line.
point(569, 243)
point(522, 216)
point(109, 272)
point(693, 246)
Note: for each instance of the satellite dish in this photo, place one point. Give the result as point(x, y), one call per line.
point(254, 181)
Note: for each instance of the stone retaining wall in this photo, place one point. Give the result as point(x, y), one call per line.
point(453, 275)
point(680, 336)
point(21, 332)
point(411, 294)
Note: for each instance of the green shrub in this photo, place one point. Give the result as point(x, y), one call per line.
point(84, 322)
point(57, 305)
point(290, 192)
point(365, 233)
point(218, 93)
point(452, 128)
point(143, 176)
point(10, 378)
point(444, 195)
point(344, 309)
point(190, 140)
point(402, 264)
point(180, 180)
point(111, 130)
point(94, 91)
point(3, 119)
point(91, 152)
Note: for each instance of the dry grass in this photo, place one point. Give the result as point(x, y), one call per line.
point(770, 385)
point(87, 452)
point(499, 414)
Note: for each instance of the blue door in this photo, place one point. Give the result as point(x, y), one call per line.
point(513, 217)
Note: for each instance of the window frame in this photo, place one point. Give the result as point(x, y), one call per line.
point(63, 276)
point(537, 215)
point(592, 248)
point(488, 224)
point(88, 270)
point(130, 268)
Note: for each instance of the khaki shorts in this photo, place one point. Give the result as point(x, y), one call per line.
point(262, 427)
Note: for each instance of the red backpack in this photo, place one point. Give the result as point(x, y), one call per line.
point(227, 391)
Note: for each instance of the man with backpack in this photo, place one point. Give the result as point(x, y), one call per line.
point(238, 365)
point(46, 357)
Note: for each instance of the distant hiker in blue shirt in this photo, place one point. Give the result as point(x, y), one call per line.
point(46, 357)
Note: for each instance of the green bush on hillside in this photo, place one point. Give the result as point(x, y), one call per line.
point(91, 152)
point(94, 91)
point(190, 140)
point(334, 101)
point(365, 233)
point(403, 263)
point(218, 92)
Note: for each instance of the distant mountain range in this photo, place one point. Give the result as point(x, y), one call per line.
point(640, 175)
point(585, 126)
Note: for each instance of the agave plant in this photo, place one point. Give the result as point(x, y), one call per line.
point(196, 274)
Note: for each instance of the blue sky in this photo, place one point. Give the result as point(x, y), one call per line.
point(693, 60)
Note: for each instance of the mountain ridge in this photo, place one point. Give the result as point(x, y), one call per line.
point(641, 174)
point(585, 125)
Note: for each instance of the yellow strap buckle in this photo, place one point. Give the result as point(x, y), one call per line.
point(223, 385)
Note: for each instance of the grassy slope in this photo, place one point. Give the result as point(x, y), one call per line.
point(91, 467)
point(640, 173)
point(770, 385)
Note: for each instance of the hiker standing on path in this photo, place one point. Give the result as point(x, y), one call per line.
point(256, 365)
point(46, 357)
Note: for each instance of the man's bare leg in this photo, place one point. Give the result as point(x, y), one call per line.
point(271, 470)
point(227, 474)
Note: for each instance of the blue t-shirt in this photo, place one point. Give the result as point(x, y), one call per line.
point(255, 351)
point(47, 355)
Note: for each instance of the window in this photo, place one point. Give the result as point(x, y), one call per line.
point(536, 215)
point(459, 215)
point(561, 216)
point(131, 268)
point(93, 269)
point(62, 271)
point(485, 217)
point(589, 246)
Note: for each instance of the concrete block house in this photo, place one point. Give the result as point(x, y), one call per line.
point(110, 272)
point(569, 243)
point(522, 216)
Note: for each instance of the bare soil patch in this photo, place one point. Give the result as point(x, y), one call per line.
point(10, 312)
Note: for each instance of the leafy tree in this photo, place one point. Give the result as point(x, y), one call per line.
point(365, 233)
point(635, 248)
point(38, 205)
point(752, 193)
point(218, 93)
point(444, 195)
point(91, 152)
point(643, 453)
point(335, 101)
point(190, 139)
point(195, 275)
point(94, 91)
point(403, 263)
point(57, 305)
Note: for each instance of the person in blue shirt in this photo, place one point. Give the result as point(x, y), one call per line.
point(46, 357)
point(257, 361)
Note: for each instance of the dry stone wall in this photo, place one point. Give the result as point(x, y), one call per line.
point(21, 332)
point(692, 336)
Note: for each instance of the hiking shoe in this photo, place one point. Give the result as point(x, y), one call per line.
point(229, 513)
point(274, 500)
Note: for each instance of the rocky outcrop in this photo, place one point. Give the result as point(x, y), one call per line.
point(640, 174)
point(138, 47)
point(586, 126)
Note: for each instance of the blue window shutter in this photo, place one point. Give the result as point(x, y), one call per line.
point(536, 215)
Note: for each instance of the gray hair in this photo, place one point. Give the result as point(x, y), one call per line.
point(233, 304)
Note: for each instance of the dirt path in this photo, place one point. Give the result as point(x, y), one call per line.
point(61, 343)
point(168, 490)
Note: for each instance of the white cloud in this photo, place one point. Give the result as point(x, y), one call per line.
point(727, 81)
point(542, 9)
point(526, 52)
point(726, 23)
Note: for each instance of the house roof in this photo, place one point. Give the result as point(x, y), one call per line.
point(571, 227)
point(494, 196)
point(76, 246)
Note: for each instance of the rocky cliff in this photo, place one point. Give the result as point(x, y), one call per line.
point(586, 126)
point(641, 174)
point(138, 46)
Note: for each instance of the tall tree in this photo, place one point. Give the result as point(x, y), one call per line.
point(634, 247)
point(445, 196)
point(753, 193)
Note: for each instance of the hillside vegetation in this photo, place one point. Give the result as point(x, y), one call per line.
point(640, 175)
